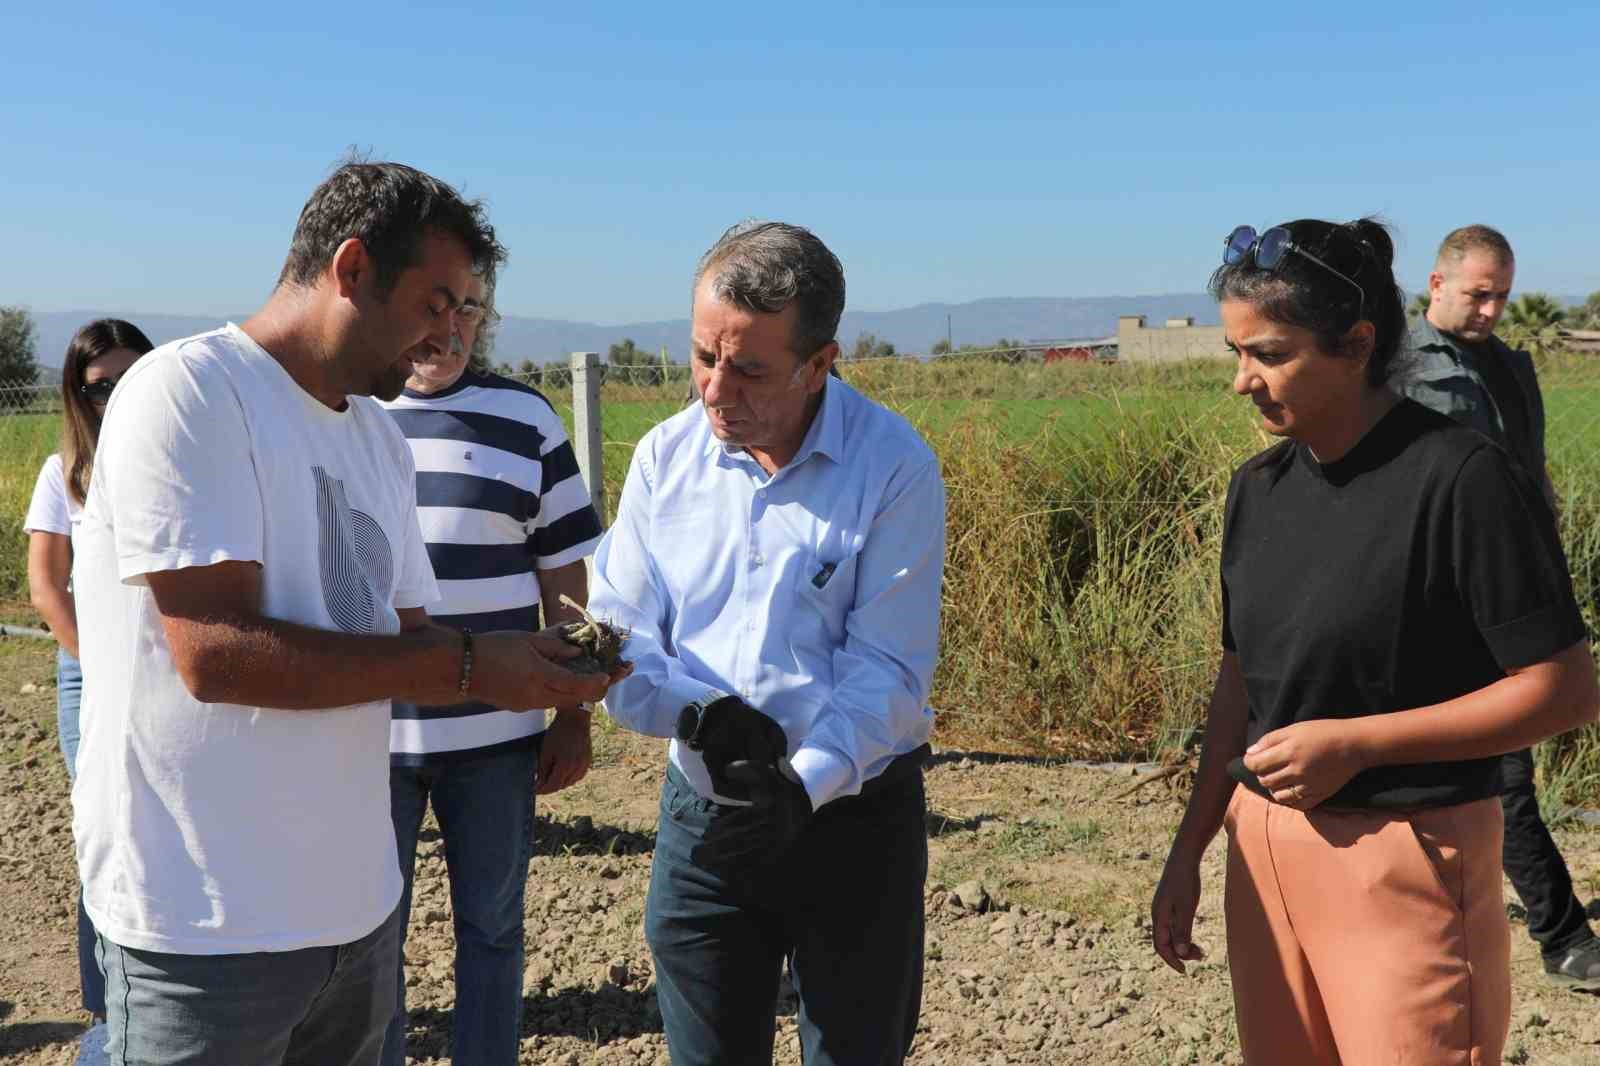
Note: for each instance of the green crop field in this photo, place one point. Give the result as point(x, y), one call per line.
point(25, 441)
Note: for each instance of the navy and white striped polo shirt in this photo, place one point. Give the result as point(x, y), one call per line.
point(498, 498)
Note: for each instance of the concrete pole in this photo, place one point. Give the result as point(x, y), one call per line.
point(586, 426)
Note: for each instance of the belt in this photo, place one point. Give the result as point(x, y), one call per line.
point(899, 769)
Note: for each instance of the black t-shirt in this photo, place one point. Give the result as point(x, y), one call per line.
point(1419, 567)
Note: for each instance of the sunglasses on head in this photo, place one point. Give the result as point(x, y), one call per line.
point(1269, 249)
point(98, 391)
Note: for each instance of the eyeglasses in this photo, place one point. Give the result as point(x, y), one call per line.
point(1269, 249)
point(98, 391)
point(469, 314)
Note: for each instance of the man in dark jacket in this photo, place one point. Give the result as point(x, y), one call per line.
point(1463, 370)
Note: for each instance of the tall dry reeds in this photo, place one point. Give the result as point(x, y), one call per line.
point(1080, 587)
point(1081, 603)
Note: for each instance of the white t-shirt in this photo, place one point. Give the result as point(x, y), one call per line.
point(52, 509)
point(211, 829)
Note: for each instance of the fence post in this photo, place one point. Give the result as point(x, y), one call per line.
point(586, 426)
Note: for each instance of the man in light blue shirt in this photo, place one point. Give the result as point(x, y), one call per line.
point(778, 554)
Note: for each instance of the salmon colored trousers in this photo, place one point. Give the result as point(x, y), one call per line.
point(1367, 938)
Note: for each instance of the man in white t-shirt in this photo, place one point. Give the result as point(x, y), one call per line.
point(251, 588)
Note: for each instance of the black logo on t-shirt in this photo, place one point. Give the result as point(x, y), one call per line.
point(357, 564)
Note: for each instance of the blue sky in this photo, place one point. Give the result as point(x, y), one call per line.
point(155, 157)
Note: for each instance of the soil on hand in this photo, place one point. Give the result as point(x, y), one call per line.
point(1037, 947)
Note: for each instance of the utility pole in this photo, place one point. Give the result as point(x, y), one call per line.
point(948, 343)
point(585, 368)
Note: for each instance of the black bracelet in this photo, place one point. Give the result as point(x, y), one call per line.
point(466, 662)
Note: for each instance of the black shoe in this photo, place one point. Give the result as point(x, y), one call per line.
point(1578, 966)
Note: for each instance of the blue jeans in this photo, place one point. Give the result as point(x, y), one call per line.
point(69, 695)
point(311, 1007)
point(843, 905)
point(485, 809)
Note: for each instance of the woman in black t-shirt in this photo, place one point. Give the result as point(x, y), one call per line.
point(1396, 614)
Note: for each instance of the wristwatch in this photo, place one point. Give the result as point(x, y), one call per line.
point(691, 720)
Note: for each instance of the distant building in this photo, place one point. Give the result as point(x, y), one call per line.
point(1075, 354)
point(1179, 340)
point(1072, 350)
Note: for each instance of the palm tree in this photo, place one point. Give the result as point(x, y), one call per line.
point(1535, 311)
point(1533, 322)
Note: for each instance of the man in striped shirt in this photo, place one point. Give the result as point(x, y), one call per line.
point(508, 524)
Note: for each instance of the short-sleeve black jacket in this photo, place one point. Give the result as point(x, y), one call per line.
point(1419, 567)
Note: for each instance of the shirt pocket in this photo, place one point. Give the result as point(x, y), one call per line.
point(828, 589)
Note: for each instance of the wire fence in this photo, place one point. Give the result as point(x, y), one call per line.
point(24, 398)
point(17, 398)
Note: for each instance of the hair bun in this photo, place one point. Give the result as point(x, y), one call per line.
point(1375, 235)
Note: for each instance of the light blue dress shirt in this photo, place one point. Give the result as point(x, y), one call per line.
point(813, 594)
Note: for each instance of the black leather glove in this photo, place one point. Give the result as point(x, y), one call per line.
point(780, 809)
point(728, 730)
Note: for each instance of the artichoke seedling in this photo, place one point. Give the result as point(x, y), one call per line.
point(601, 642)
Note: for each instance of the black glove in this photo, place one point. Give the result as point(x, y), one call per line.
point(779, 811)
point(728, 730)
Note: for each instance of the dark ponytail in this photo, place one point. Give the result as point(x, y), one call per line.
point(1300, 293)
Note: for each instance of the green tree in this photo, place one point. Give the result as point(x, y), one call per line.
point(632, 364)
point(1419, 305)
point(1008, 351)
point(557, 374)
point(17, 341)
point(1586, 315)
point(941, 347)
point(1533, 322)
point(868, 346)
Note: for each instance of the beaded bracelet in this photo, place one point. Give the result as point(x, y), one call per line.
point(466, 661)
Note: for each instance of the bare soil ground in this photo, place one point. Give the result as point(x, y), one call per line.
point(1055, 967)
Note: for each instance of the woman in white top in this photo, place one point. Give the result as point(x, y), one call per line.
point(99, 354)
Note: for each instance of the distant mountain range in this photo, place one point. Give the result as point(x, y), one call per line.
point(911, 329)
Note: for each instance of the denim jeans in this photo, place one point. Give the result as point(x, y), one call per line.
point(69, 693)
point(484, 805)
point(1534, 864)
point(311, 1007)
point(843, 905)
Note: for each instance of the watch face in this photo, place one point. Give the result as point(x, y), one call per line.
point(689, 725)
